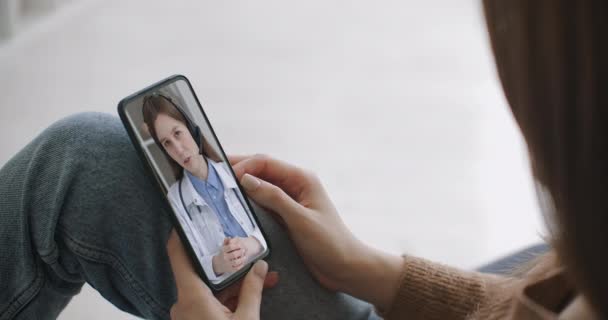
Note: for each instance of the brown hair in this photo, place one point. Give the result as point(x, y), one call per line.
point(551, 58)
point(154, 105)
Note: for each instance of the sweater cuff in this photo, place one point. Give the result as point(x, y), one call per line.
point(430, 290)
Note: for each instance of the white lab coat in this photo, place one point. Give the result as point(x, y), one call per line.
point(205, 231)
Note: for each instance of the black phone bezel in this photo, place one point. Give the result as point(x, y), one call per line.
point(151, 172)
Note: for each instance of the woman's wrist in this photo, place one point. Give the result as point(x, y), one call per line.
point(374, 276)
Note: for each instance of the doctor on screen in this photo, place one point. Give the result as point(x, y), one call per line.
point(205, 197)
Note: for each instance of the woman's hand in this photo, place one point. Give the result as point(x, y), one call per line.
point(337, 259)
point(196, 301)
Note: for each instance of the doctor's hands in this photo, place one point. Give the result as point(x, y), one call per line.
point(335, 257)
point(235, 253)
point(231, 257)
point(196, 301)
point(252, 247)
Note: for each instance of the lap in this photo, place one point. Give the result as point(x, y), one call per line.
point(85, 210)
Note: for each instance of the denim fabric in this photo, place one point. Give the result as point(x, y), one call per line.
point(506, 265)
point(76, 206)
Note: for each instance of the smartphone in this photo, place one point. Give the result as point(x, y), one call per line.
point(211, 213)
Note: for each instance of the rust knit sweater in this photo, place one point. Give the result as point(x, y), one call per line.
point(434, 291)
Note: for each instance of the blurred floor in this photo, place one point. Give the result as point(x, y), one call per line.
point(396, 106)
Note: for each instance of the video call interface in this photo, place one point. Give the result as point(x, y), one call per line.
point(197, 179)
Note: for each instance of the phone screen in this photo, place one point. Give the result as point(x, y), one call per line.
point(213, 217)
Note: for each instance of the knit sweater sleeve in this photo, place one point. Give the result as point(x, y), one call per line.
point(430, 290)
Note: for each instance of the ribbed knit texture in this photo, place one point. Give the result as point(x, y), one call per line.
point(434, 291)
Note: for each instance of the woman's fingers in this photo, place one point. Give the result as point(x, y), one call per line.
point(259, 164)
point(229, 296)
point(271, 197)
point(284, 175)
point(250, 296)
point(234, 159)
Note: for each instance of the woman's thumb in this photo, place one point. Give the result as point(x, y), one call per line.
point(269, 196)
point(250, 296)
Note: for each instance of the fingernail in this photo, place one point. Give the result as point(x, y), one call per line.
point(249, 182)
point(261, 268)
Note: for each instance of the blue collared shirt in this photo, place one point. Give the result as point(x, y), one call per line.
point(212, 191)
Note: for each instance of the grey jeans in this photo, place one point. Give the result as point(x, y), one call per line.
point(76, 205)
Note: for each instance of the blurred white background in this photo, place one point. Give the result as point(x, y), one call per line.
point(395, 104)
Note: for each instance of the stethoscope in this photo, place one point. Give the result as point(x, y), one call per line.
point(181, 197)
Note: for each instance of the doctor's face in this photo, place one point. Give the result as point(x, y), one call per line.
point(177, 141)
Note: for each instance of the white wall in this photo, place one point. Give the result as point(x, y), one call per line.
point(16, 15)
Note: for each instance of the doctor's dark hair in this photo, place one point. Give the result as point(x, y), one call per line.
point(552, 60)
point(154, 105)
